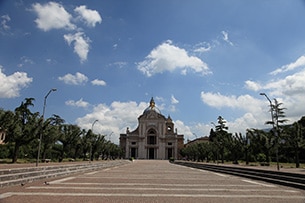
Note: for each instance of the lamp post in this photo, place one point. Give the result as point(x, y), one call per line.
point(274, 128)
point(90, 151)
point(41, 130)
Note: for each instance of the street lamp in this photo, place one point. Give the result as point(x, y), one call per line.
point(90, 152)
point(41, 130)
point(273, 127)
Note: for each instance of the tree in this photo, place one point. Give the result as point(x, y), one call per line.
point(261, 142)
point(97, 146)
point(236, 146)
point(68, 137)
point(51, 127)
point(22, 126)
point(221, 137)
point(294, 138)
point(86, 144)
point(279, 114)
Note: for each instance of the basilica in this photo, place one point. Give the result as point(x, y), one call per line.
point(154, 138)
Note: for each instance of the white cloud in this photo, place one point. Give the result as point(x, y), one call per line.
point(225, 37)
point(79, 103)
point(11, 85)
point(81, 44)
point(292, 85)
point(251, 85)
point(90, 17)
point(114, 118)
point(174, 100)
point(248, 121)
point(98, 82)
point(52, 15)
point(245, 102)
point(167, 57)
point(4, 27)
point(254, 111)
point(183, 129)
point(77, 79)
point(300, 62)
point(202, 47)
point(289, 90)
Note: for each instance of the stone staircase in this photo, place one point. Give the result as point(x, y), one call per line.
point(15, 176)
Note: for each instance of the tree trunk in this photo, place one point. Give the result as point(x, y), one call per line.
point(297, 159)
point(44, 152)
point(16, 152)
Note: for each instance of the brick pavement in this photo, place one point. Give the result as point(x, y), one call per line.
point(150, 181)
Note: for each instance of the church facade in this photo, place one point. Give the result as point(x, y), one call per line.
point(154, 138)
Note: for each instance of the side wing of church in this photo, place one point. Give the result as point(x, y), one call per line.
point(154, 138)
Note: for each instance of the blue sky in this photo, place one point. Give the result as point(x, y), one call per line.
point(198, 59)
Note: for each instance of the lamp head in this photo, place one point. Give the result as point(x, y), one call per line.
point(54, 89)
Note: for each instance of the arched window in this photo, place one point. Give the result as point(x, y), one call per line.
point(151, 138)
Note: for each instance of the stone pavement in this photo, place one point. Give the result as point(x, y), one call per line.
point(150, 181)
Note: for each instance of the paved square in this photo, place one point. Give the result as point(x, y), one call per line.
point(151, 181)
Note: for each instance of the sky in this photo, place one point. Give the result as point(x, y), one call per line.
point(198, 59)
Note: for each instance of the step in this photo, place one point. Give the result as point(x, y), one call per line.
point(25, 175)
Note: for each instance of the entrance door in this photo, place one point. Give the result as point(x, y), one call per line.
point(134, 153)
point(169, 153)
point(151, 153)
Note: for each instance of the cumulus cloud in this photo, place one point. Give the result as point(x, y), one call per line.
point(249, 120)
point(98, 82)
point(289, 90)
point(81, 44)
point(218, 100)
point(79, 103)
point(254, 111)
point(77, 79)
point(183, 129)
point(251, 85)
point(300, 62)
point(114, 118)
point(168, 57)
point(52, 15)
point(90, 17)
point(291, 85)
point(11, 85)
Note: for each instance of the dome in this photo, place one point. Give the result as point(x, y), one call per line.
point(152, 107)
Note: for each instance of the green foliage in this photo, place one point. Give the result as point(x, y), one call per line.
point(261, 157)
point(171, 159)
point(60, 141)
point(257, 145)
